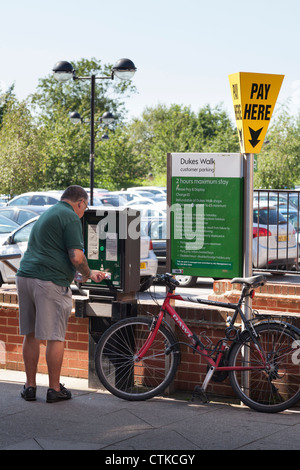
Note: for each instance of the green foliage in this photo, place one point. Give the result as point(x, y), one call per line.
point(6, 99)
point(279, 160)
point(22, 160)
point(40, 148)
point(163, 130)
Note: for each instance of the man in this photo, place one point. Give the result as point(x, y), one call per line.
point(55, 252)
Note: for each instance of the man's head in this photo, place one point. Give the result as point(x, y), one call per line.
point(77, 197)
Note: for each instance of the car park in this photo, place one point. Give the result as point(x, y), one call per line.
point(15, 244)
point(20, 214)
point(148, 211)
point(151, 189)
point(6, 227)
point(294, 199)
point(133, 195)
point(109, 199)
point(157, 230)
point(274, 240)
point(36, 198)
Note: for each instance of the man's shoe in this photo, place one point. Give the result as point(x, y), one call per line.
point(29, 393)
point(53, 396)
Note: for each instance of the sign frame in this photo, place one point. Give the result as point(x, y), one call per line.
point(217, 176)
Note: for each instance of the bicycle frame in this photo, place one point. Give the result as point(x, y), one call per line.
point(214, 365)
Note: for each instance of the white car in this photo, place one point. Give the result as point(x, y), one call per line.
point(151, 189)
point(148, 210)
point(132, 195)
point(15, 245)
point(274, 239)
point(36, 198)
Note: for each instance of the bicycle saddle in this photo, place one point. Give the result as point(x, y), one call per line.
point(254, 281)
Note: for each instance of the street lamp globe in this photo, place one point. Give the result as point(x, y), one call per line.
point(63, 71)
point(124, 69)
point(75, 117)
point(107, 118)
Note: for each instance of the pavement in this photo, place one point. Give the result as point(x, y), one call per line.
point(163, 428)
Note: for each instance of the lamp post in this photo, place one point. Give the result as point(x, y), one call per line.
point(63, 71)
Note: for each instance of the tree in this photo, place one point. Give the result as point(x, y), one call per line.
point(178, 129)
point(279, 160)
point(67, 146)
point(116, 163)
point(21, 151)
point(6, 98)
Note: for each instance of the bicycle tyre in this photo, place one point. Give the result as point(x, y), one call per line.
point(276, 387)
point(117, 368)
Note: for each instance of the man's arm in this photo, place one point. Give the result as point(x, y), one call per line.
point(79, 261)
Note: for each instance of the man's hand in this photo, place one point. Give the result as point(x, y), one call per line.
point(97, 276)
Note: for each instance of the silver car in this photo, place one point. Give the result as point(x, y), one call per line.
point(274, 239)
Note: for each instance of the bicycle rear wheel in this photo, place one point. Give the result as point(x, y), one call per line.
point(275, 387)
point(117, 366)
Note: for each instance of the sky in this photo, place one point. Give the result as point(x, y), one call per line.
point(184, 51)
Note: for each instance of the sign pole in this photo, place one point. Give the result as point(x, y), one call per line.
point(248, 221)
point(248, 240)
point(254, 97)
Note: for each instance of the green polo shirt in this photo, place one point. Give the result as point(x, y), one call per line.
point(55, 232)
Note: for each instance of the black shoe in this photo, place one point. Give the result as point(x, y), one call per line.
point(53, 396)
point(29, 393)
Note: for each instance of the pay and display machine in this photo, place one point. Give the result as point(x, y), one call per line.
point(112, 244)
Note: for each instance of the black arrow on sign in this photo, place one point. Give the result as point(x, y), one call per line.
point(254, 136)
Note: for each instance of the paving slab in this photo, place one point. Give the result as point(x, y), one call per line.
point(97, 420)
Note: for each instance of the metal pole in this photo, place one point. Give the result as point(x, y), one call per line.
point(248, 240)
point(248, 217)
point(92, 150)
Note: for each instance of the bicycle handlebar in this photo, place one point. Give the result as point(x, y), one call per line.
point(168, 279)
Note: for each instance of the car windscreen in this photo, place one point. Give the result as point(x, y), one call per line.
point(268, 217)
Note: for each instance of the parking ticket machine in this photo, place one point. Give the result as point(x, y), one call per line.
point(112, 244)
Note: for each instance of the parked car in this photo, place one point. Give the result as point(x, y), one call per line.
point(148, 210)
point(132, 195)
point(157, 230)
point(16, 244)
point(37, 198)
point(273, 198)
point(6, 227)
point(274, 240)
point(148, 262)
point(21, 214)
point(294, 199)
point(48, 198)
point(110, 200)
point(4, 198)
point(151, 189)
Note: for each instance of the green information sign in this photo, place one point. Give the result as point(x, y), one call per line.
point(206, 214)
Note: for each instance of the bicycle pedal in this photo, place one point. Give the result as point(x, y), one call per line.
point(199, 393)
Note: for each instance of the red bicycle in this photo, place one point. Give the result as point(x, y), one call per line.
point(137, 358)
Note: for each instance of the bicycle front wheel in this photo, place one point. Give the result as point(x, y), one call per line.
point(276, 386)
point(118, 368)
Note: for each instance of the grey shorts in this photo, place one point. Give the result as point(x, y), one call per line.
point(44, 308)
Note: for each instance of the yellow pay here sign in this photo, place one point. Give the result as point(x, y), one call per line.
point(254, 97)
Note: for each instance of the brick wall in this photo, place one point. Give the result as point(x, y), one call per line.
point(272, 296)
point(75, 362)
